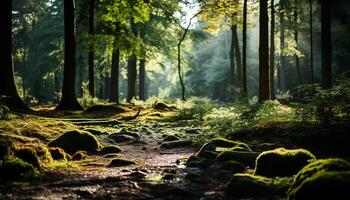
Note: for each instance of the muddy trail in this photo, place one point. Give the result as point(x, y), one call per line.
point(159, 150)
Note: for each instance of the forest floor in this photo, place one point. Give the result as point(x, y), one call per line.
point(159, 171)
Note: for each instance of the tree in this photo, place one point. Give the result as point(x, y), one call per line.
point(264, 93)
point(114, 86)
point(282, 70)
point(272, 52)
point(8, 90)
point(244, 49)
point(311, 43)
point(132, 69)
point(326, 75)
point(296, 38)
point(69, 100)
point(91, 49)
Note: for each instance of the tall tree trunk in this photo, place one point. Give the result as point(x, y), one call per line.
point(326, 80)
point(69, 100)
point(8, 91)
point(238, 60)
point(91, 49)
point(272, 52)
point(142, 79)
point(232, 73)
point(264, 93)
point(114, 84)
point(311, 43)
point(132, 73)
point(296, 38)
point(282, 70)
point(244, 49)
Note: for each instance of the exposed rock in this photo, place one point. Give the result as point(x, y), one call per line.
point(120, 162)
point(176, 144)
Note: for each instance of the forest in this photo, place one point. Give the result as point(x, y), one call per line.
point(174, 99)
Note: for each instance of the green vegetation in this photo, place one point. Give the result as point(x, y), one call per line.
point(73, 141)
point(58, 154)
point(79, 155)
point(282, 162)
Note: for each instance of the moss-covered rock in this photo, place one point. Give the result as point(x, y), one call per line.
point(110, 149)
point(95, 131)
point(79, 155)
point(201, 164)
point(169, 138)
point(319, 166)
point(233, 166)
point(176, 144)
point(14, 169)
point(5, 146)
point(57, 153)
point(74, 141)
point(247, 158)
point(323, 185)
point(120, 162)
point(282, 162)
point(28, 155)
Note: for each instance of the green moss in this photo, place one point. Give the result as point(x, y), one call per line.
point(110, 149)
point(120, 162)
point(282, 162)
point(42, 152)
point(79, 155)
point(202, 163)
point(28, 155)
point(323, 185)
point(246, 158)
point(74, 141)
point(233, 166)
point(15, 169)
point(58, 153)
point(94, 131)
point(319, 166)
point(5, 146)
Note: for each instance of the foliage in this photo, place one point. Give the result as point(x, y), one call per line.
point(87, 100)
point(4, 112)
point(194, 108)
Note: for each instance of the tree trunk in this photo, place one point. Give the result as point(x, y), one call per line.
point(264, 93)
point(114, 84)
point(232, 61)
point(311, 43)
point(282, 77)
point(69, 100)
point(239, 60)
point(244, 38)
point(296, 38)
point(272, 52)
point(326, 44)
point(91, 49)
point(8, 91)
point(142, 80)
point(132, 74)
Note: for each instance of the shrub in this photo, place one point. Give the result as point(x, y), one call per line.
point(282, 162)
point(74, 141)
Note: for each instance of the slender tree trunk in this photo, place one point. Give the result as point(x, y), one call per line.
point(142, 80)
point(282, 77)
point(91, 49)
point(231, 76)
point(311, 43)
point(264, 93)
point(272, 52)
point(239, 61)
point(8, 91)
point(244, 38)
point(296, 38)
point(132, 74)
point(114, 85)
point(326, 44)
point(69, 100)
point(183, 88)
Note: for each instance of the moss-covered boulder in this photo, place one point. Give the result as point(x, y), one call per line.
point(218, 145)
point(74, 141)
point(201, 164)
point(176, 144)
point(233, 167)
point(28, 155)
point(120, 162)
point(57, 153)
point(282, 162)
point(110, 149)
point(247, 158)
point(250, 186)
point(319, 166)
point(14, 169)
point(79, 155)
point(169, 138)
point(323, 185)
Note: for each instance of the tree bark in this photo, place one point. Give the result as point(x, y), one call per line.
point(91, 49)
point(296, 38)
point(311, 43)
point(238, 61)
point(244, 49)
point(232, 73)
point(326, 44)
point(282, 77)
point(132, 70)
point(142, 80)
point(264, 93)
point(8, 91)
point(272, 52)
point(69, 100)
point(114, 84)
